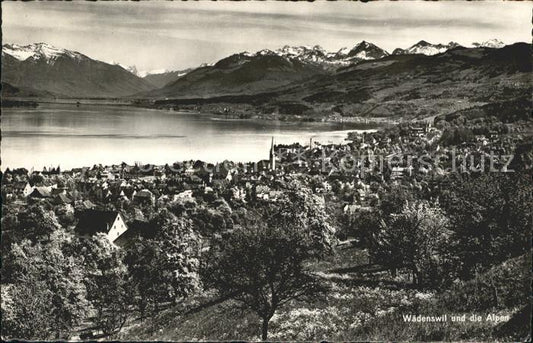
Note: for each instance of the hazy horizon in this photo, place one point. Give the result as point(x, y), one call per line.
point(174, 36)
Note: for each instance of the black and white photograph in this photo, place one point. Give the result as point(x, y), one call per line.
point(251, 171)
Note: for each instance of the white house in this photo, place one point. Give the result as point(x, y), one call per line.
point(109, 222)
point(183, 195)
point(27, 189)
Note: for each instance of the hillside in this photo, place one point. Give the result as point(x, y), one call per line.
point(54, 70)
point(355, 310)
point(421, 86)
point(159, 80)
point(396, 86)
point(10, 91)
point(265, 70)
point(502, 291)
point(238, 74)
point(422, 82)
point(426, 48)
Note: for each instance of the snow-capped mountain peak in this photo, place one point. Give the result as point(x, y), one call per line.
point(342, 52)
point(491, 43)
point(425, 48)
point(265, 52)
point(318, 56)
point(38, 51)
point(423, 43)
point(453, 45)
point(363, 45)
point(308, 54)
point(367, 51)
point(133, 70)
point(300, 50)
point(155, 72)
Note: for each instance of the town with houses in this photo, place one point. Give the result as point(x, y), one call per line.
point(326, 179)
point(109, 199)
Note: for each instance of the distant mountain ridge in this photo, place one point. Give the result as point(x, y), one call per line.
point(263, 70)
point(43, 67)
point(366, 51)
point(426, 48)
point(491, 43)
point(46, 69)
point(39, 51)
point(318, 56)
point(240, 73)
point(160, 78)
point(396, 86)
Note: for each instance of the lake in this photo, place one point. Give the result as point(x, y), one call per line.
point(70, 136)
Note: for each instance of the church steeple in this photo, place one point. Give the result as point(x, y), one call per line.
point(272, 155)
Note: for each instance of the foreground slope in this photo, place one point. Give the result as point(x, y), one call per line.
point(358, 308)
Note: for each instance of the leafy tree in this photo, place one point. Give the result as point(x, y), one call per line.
point(491, 219)
point(415, 239)
point(56, 279)
point(33, 223)
point(394, 199)
point(261, 263)
point(210, 221)
point(25, 309)
point(181, 246)
point(301, 210)
point(106, 282)
point(166, 267)
point(457, 135)
point(363, 225)
point(262, 267)
point(142, 261)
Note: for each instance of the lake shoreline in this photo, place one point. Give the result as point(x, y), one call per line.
point(222, 110)
point(70, 136)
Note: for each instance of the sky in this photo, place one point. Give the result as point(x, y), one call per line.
point(156, 35)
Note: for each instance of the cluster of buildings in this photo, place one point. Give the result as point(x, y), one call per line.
point(358, 168)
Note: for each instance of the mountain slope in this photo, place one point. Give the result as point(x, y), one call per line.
point(46, 68)
point(419, 85)
point(426, 48)
point(160, 80)
point(10, 91)
point(491, 43)
point(265, 70)
point(396, 86)
point(366, 51)
point(242, 73)
point(318, 56)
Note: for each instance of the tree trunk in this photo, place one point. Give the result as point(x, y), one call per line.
point(141, 309)
point(264, 331)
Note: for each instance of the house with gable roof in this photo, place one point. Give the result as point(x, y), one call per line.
point(111, 223)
